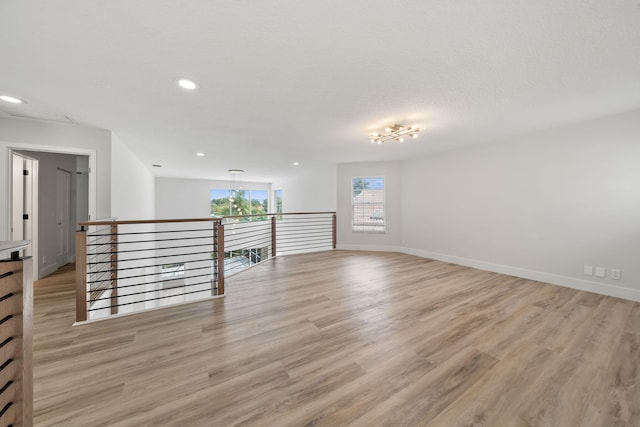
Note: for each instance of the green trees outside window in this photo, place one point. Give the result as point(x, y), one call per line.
point(239, 202)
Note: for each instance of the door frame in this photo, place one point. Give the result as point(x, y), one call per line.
point(33, 220)
point(19, 146)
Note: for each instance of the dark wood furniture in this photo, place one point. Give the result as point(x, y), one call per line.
point(16, 320)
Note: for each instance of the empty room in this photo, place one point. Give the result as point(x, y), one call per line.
point(320, 213)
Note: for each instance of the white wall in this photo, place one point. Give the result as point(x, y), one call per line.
point(309, 190)
point(392, 238)
point(189, 198)
point(132, 184)
point(539, 206)
point(35, 135)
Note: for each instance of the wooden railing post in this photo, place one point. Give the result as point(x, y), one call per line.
point(220, 256)
point(114, 268)
point(98, 256)
point(334, 230)
point(81, 275)
point(273, 236)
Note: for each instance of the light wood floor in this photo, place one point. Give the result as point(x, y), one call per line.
point(345, 338)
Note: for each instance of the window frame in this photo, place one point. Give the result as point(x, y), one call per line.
point(172, 271)
point(248, 192)
point(277, 207)
point(383, 228)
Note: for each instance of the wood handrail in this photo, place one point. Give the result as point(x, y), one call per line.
point(149, 221)
point(212, 219)
point(112, 244)
point(276, 214)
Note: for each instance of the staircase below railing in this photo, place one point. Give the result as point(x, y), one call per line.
point(130, 266)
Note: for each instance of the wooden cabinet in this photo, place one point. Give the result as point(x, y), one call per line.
point(16, 320)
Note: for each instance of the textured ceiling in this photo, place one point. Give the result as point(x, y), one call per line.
point(290, 80)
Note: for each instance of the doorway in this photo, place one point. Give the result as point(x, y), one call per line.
point(61, 184)
point(24, 195)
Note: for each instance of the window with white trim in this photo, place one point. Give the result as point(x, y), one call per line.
point(173, 278)
point(171, 271)
point(367, 202)
point(277, 201)
point(225, 202)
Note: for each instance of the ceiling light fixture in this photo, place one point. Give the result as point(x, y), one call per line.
point(200, 154)
point(296, 163)
point(235, 195)
point(396, 132)
point(186, 84)
point(12, 99)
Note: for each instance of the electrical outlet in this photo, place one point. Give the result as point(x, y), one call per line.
point(615, 273)
point(44, 259)
point(601, 272)
point(588, 270)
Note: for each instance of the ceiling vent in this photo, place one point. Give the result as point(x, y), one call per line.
point(25, 113)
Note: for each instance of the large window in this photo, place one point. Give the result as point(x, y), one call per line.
point(277, 201)
point(242, 202)
point(367, 195)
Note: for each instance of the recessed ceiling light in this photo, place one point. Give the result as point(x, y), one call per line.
point(296, 163)
point(200, 154)
point(157, 166)
point(187, 84)
point(12, 99)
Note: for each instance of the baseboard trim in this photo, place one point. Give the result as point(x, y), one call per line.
point(46, 270)
point(372, 248)
point(147, 310)
point(555, 279)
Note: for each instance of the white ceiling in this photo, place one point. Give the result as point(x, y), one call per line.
point(306, 80)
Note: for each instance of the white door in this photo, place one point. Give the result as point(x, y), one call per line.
point(24, 204)
point(30, 204)
point(17, 196)
point(63, 216)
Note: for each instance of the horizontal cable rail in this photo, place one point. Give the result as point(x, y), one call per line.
point(305, 234)
point(129, 266)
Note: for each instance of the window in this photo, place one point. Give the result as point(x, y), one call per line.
point(277, 201)
point(240, 259)
point(240, 202)
point(172, 278)
point(367, 195)
point(171, 271)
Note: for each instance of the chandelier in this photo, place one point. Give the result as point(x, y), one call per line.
point(235, 186)
point(396, 132)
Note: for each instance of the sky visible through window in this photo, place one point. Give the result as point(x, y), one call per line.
point(375, 183)
point(218, 194)
point(368, 204)
point(245, 202)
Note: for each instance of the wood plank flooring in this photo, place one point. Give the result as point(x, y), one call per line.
point(345, 338)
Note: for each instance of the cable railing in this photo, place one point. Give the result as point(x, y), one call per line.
point(131, 266)
point(299, 233)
